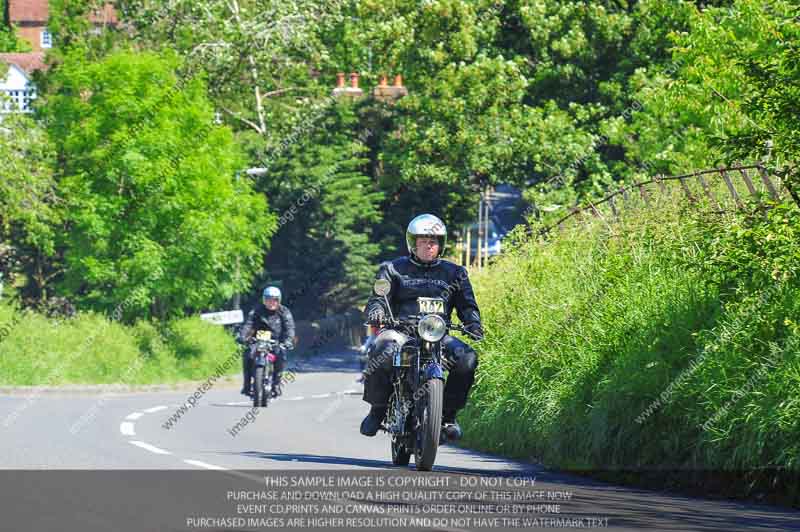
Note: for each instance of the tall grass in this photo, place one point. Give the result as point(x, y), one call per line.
point(92, 349)
point(666, 341)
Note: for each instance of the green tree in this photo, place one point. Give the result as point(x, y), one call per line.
point(252, 51)
point(327, 206)
point(732, 87)
point(154, 217)
point(29, 203)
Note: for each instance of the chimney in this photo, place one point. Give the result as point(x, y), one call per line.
point(388, 94)
point(353, 91)
point(341, 90)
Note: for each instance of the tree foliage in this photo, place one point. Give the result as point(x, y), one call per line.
point(563, 98)
point(29, 204)
point(327, 206)
point(153, 214)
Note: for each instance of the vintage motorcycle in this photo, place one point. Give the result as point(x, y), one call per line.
point(414, 413)
point(263, 357)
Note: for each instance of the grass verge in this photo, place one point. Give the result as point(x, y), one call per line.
point(662, 349)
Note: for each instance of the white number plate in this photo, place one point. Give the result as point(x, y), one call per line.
point(264, 335)
point(430, 305)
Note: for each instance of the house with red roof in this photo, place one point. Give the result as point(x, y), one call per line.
point(18, 87)
point(30, 18)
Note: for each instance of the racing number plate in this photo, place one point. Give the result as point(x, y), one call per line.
point(430, 305)
point(264, 335)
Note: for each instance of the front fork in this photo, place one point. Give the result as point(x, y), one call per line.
point(410, 387)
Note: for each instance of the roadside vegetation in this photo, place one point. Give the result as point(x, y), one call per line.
point(667, 343)
point(668, 340)
point(92, 349)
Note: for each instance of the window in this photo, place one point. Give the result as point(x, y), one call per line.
point(16, 101)
point(46, 39)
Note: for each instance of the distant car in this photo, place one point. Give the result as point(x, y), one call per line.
point(495, 237)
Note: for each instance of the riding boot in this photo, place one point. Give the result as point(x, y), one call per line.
point(450, 429)
point(246, 376)
point(372, 423)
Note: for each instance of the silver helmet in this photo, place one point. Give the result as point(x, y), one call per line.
point(425, 225)
point(272, 291)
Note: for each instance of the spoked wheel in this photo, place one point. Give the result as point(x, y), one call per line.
point(430, 428)
point(260, 395)
point(400, 455)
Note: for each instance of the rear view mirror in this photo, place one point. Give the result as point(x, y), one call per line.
point(382, 287)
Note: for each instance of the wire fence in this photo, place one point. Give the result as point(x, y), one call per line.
point(723, 189)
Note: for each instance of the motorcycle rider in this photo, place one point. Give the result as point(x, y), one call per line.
point(272, 316)
point(423, 274)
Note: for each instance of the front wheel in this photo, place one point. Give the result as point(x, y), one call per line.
point(260, 395)
point(430, 427)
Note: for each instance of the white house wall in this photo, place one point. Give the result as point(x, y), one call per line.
point(17, 87)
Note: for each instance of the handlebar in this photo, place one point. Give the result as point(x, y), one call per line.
point(413, 319)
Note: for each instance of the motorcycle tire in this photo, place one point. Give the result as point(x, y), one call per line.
point(400, 455)
point(430, 428)
point(260, 395)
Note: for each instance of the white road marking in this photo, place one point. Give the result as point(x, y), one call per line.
point(127, 428)
point(198, 463)
point(148, 447)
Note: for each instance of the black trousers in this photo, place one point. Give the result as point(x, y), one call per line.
point(378, 383)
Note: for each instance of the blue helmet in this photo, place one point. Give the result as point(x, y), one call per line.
point(272, 291)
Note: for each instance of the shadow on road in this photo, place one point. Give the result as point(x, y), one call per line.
point(629, 509)
point(378, 464)
point(341, 360)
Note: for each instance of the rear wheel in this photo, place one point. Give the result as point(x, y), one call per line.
point(430, 428)
point(400, 455)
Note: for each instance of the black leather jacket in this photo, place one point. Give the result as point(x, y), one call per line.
point(280, 323)
point(412, 279)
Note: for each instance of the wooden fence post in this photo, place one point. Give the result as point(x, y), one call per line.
point(467, 252)
point(731, 188)
point(643, 193)
point(613, 207)
point(686, 190)
point(773, 193)
point(708, 192)
point(660, 183)
point(750, 187)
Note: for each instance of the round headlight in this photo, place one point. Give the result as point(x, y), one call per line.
point(432, 328)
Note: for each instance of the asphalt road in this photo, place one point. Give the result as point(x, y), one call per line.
point(311, 430)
